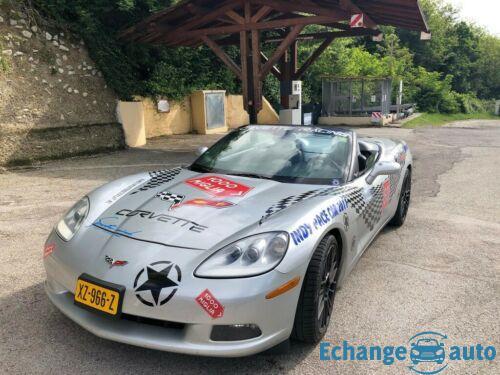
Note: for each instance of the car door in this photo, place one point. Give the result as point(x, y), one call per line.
point(371, 208)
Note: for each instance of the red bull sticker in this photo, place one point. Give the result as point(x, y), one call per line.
point(219, 186)
point(209, 303)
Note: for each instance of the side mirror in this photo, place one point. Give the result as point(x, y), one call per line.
point(201, 150)
point(383, 168)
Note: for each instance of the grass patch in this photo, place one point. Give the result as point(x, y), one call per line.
point(439, 119)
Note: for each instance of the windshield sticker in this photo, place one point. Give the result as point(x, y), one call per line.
point(302, 129)
point(219, 186)
point(175, 199)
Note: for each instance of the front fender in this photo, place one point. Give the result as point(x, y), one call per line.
point(106, 195)
point(308, 230)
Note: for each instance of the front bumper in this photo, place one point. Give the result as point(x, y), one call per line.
point(243, 300)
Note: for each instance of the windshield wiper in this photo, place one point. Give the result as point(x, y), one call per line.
point(201, 168)
point(252, 175)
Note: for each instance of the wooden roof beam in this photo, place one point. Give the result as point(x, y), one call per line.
point(261, 13)
point(194, 22)
point(275, 71)
point(280, 51)
point(303, 6)
point(181, 37)
point(223, 56)
point(329, 38)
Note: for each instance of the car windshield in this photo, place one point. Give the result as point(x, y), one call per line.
point(287, 154)
point(427, 342)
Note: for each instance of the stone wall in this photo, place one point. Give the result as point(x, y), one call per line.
point(20, 147)
point(47, 78)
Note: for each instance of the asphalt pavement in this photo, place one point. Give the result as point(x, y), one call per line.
point(439, 272)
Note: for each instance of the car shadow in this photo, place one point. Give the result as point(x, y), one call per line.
point(36, 336)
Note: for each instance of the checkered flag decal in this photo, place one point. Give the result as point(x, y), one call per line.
point(294, 199)
point(356, 200)
point(287, 202)
point(170, 197)
point(393, 180)
point(371, 215)
point(158, 178)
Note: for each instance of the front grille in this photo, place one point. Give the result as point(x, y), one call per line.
point(153, 322)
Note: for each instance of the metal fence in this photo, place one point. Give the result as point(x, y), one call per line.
point(356, 96)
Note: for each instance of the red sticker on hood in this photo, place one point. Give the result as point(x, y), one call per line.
point(210, 304)
point(219, 186)
point(200, 202)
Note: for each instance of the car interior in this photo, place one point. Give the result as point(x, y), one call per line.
point(368, 153)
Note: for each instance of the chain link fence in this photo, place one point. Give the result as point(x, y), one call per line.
point(356, 96)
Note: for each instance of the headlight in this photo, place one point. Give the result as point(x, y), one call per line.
point(72, 221)
point(249, 256)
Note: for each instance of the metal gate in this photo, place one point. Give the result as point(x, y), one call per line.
point(356, 96)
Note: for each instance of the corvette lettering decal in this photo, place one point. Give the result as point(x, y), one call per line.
point(209, 303)
point(200, 202)
point(157, 283)
point(176, 199)
point(219, 186)
point(148, 215)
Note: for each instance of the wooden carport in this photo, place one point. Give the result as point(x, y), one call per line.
point(250, 23)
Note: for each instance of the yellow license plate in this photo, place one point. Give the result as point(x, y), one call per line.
point(98, 295)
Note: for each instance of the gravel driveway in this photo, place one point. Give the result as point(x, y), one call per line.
point(439, 272)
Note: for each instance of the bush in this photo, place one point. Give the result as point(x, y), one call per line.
point(469, 103)
point(432, 93)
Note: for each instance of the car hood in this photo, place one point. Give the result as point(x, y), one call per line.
point(177, 213)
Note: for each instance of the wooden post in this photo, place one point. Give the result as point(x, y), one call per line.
point(244, 67)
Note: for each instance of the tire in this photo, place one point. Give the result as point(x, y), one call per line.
point(404, 201)
point(320, 281)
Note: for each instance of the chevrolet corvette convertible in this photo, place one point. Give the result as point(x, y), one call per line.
point(234, 254)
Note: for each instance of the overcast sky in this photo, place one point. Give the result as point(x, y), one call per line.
point(485, 13)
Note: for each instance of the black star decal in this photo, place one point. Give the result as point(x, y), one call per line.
point(156, 282)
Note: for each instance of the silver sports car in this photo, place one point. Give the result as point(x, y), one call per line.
point(236, 253)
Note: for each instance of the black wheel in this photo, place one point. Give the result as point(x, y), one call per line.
point(404, 201)
point(315, 305)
